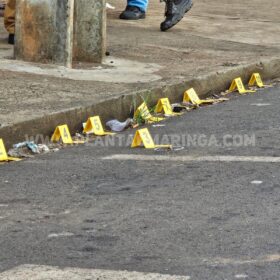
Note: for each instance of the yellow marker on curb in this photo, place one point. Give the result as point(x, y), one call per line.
point(164, 105)
point(3, 153)
point(94, 125)
point(144, 112)
point(256, 80)
point(238, 85)
point(62, 132)
point(191, 96)
point(143, 136)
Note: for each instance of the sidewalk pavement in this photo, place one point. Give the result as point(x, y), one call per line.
point(216, 35)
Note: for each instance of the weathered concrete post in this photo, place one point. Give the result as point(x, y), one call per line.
point(89, 30)
point(60, 31)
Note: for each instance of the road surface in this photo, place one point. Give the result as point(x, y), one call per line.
point(207, 210)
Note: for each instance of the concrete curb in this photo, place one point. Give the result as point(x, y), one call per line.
point(121, 106)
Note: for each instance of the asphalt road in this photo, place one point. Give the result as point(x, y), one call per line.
point(207, 211)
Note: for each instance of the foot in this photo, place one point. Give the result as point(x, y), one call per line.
point(175, 11)
point(132, 13)
point(11, 39)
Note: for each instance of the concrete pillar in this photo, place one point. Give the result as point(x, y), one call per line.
point(60, 31)
point(89, 30)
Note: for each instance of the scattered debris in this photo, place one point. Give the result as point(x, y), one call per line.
point(241, 276)
point(29, 144)
point(158, 125)
point(178, 108)
point(118, 126)
point(79, 138)
point(109, 6)
point(170, 147)
point(43, 149)
point(20, 153)
point(24, 150)
point(224, 93)
point(260, 104)
point(28, 149)
point(256, 182)
point(178, 148)
point(61, 234)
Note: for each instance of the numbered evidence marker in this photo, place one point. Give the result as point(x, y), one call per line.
point(94, 125)
point(165, 106)
point(145, 114)
point(3, 153)
point(62, 132)
point(191, 96)
point(256, 80)
point(143, 136)
point(238, 85)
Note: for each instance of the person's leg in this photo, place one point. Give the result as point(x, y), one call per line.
point(9, 19)
point(141, 4)
point(135, 9)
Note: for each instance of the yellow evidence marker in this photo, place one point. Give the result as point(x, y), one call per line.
point(238, 85)
point(165, 106)
point(143, 136)
point(256, 80)
point(94, 125)
point(144, 112)
point(3, 153)
point(191, 96)
point(62, 132)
